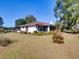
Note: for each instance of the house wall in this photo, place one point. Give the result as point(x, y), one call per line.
point(32, 29)
point(18, 30)
point(23, 29)
point(48, 29)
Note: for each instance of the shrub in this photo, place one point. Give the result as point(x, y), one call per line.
point(42, 33)
point(5, 41)
point(57, 37)
point(10, 31)
point(75, 29)
point(49, 33)
point(35, 32)
point(38, 33)
point(28, 32)
point(23, 32)
point(2, 31)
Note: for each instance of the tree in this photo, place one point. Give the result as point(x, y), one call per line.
point(67, 12)
point(29, 19)
point(58, 24)
point(1, 22)
point(20, 21)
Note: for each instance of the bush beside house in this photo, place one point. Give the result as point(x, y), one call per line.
point(42, 33)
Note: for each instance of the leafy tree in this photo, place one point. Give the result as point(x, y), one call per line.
point(9, 28)
point(67, 12)
point(77, 21)
point(20, 21)
point(29, 19)
point(1, 22)
point(58, 24)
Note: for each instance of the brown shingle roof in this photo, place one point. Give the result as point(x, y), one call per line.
point(34, 24)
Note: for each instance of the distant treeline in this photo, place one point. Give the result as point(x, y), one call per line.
point(9, 28)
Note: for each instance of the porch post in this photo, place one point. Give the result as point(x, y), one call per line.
point(37, 29)
point(48, 29)
point(42, 28)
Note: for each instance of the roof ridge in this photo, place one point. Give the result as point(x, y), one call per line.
point(35, 23)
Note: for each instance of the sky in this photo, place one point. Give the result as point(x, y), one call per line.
point(10, 10)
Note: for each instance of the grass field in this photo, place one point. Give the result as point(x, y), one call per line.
point(40, 47)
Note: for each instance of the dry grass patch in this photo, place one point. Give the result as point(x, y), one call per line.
point(57, 37)
point(40, 47)
point(4, 41)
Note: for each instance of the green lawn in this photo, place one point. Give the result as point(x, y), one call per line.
point(40, 47)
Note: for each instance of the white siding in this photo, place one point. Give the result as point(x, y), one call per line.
point(32, 29)
point(48, 28)
point(18, 30)
point(23, 29)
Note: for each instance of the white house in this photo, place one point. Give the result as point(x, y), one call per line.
point(35, 26)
